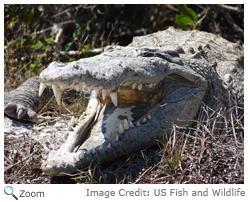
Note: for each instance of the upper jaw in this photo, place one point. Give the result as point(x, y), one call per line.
point(108, 71)
point(59, 85)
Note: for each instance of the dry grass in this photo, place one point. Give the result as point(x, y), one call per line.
point(22, 161)
point(210, 153)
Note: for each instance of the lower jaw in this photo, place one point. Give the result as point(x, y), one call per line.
point(98, 139)
point(113, 121)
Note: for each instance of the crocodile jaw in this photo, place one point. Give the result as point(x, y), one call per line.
point(101, 126)
point(114, 122)
point(107, 132)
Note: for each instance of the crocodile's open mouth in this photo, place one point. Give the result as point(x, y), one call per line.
point(110, 114)
point(127, 103)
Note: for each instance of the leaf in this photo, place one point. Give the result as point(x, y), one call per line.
point(179, 23)
point(185, 19)
point(50, 40)
point(192, 14)
point(39, 44)
point(68, 45)
point(182, 8)
point(75, 35)
point(32, 66)
point(86, 47)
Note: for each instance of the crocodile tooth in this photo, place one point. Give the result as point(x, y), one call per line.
point(126, 83)
point(69, 126)
point(121, 130)
point(131, 125)
point(88, 152)
point(41, 88)
point(66, 135)
point(52, 162)
point(113, 96)
point(75, 160)
point(57, 93)
point(149, 117)
point(104, 93)
point(109, 145)
point(140, 86)
point(48, 167)
point(144, 120)
point(58, 97)
point(77, 87)
point(117, 138)
point(83, 85)
point(81, 156)
point(76, 120)
point(63, 162)
point(73, 122)
point(61, 86)
point(82, 116)
point(126, 126)
point(138, 124)
point(150, 85)
point(155, 84)
point(96, 89)
point(93, 151)
point(44, 163)
point(133, 85)
point(55, 89)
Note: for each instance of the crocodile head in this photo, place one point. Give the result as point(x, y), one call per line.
point(136, 96)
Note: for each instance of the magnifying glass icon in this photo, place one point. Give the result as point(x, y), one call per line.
point(9, 191)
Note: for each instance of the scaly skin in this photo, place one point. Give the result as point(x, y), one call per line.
point(157, 81)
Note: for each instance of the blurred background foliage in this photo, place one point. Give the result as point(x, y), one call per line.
point(35, 35)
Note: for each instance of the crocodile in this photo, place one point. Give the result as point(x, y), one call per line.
point(136, 94)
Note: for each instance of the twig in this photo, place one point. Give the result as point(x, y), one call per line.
point(164, 177)
point(46, 104)
point(47, 29)
point(205, 14)
point(149, 169)
point(9, 167)
point(237, 10)
point(232, 122)
point(231, 22)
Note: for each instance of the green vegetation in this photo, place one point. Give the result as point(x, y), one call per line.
point(88, 177)
point(30, 42)
point(187, 17)
point(145, 159)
